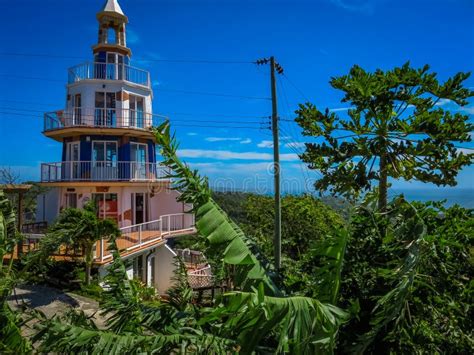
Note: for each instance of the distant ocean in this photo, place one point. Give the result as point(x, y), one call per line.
point(462, 197)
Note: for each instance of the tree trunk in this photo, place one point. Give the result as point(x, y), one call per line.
point(383, 183)
point(88, 261)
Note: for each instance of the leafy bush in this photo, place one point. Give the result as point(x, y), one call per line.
point(436, 316)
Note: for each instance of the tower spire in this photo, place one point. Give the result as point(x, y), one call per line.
point(112, 34)
point(112, 6)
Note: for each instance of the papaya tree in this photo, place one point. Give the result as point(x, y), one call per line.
point(396, 128)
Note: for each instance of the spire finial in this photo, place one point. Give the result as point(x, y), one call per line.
point(112, 6)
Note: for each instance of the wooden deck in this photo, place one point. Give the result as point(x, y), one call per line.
point(129, 243)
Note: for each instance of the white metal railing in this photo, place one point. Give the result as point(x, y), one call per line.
point(103, 171)
point(101, 117)
point(140, 235)
point(108, 71)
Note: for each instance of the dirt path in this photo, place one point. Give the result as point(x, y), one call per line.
point(52, 301)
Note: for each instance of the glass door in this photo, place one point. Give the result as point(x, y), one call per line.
point(138, 161)
point(140, 210)
point(104, 161)
point(105, 112)
point(77, 114)
point(136, 112)
point(72, 163)
point(111, 66)
point(107, 205)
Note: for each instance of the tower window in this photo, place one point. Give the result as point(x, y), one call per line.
point(111, 35)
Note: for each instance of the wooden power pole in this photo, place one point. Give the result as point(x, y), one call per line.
point(274, 69)
point(276, 166)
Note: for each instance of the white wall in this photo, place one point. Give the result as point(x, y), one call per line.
point(164, 268)
point(164, 202)
point(48, 205)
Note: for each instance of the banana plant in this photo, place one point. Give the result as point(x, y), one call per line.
point(308, 324)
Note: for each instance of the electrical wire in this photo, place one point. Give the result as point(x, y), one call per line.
point(158, 89)
point(171, 119)
point(168, 114)
point(188, 61)
point(179, 124)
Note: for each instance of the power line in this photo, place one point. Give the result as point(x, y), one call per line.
point(179, 124)
point(171, 119)
point(214, 94)
point(296, 87)
point(187, 61)
point(159, 89)
point(29, 78)
point(170, 113)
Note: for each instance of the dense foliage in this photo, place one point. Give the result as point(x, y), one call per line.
point(395, 128)
point(11, 339)
point(306, 223)
point(436, 316)
point(409, 290)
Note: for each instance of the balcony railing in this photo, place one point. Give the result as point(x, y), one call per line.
point(133, 238)
point(103, 171)
point(105, 71)
point(146, 234)
point(100, 117)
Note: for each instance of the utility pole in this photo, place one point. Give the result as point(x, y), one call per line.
point(275, 68)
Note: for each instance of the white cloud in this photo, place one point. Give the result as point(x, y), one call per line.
point(469, 110)
point(232, 169)
point(222, 139)
point(465, 151)
point(265, 144)
point(246, 141)
point(192, 134)
point(442, 102)
point(228, 155)
point(337, 109)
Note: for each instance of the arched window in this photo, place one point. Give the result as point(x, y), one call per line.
point(111, 35)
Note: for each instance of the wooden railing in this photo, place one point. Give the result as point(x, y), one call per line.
point(141, 235)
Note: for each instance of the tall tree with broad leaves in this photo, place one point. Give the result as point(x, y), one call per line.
point(79, 227)
point(396, 128)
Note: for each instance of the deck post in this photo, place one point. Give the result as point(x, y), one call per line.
point(169, 224)
point(140, 234)
point(102, 250)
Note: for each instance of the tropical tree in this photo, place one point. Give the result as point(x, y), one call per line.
point(411, 288)
point(80, 228)
point(396, 127)
point(11, 339)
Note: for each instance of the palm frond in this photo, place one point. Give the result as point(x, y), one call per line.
point(225, 238)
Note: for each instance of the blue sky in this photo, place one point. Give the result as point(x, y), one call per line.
point(313, 41)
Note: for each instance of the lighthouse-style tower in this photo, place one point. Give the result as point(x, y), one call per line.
point(109, 154)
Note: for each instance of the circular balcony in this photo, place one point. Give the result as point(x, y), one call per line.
point(63, 123)
point(106, 71)
point(103, 171)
